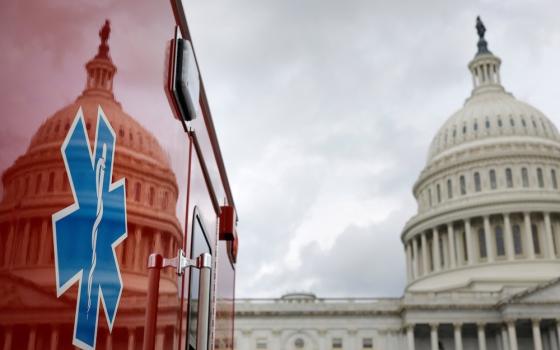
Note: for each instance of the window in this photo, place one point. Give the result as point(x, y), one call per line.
point(463, 184)
point(261, 343)
point(482, 244)
point(38, 183)
point(493, 182)
point(540, 177)
point(438, 190)
point(137, 191)
point(337, 343)
point(477, 186)
point(464, 240)
point(367, 343)
point(499, 122)
point(554, 180)
point(500, 246)
point(450, 189)
point(26, 186)
point(525, 177)
point(151, 196)
point(511, 121)
point(509, 178)
point(475, 126)
point(487, 124)
point(536, 241)
point(517, 245)
point(299, 343)
point(430, 196)
point(165, 200)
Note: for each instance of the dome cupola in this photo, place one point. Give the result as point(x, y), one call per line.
point(485, 67)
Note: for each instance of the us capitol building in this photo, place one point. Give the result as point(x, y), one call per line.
point(482, 253)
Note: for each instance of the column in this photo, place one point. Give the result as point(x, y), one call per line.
point(537, 339)
point(410, 336)
point(469, 239)
point(505, 340)
point(31, 338)
point(512, 333)
point(415, 269)
point(434, 336)
point(558, 332)
point(548, 237)
point(425, 261)
point(43, 247)
point(451, 240)
point(458, 336)
point(490, 251)
point(481, 336)
point(9, 245)
point(54, 338)
point(528, 236)
point(436, 256)
point(131, 345)
point(24, 248)
point(508, 237)
point(409, 262)
point(7, 339)
point(552, 339)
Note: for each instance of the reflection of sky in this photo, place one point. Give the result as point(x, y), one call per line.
point(324, 110)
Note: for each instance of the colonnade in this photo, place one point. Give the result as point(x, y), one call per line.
point(483, 239)
point(545, 335)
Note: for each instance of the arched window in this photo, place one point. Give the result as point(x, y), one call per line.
point(554, 179)
point(500, 246)
point(481, 243)
point(137, 192)
point(463, 185)
point(430, 196)
point(438, 190)
point(525, 177)
point(536, 241)
point(50, 186)
point(299, 343)
point(493, 182)
point(450, 189)
point(509, 178)
point(517, 244)
point(477, 186)
point(540, 177)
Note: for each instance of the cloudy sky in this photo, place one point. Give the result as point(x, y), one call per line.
point(324, 110)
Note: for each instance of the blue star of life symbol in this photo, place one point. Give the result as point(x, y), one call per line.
point(86, 233)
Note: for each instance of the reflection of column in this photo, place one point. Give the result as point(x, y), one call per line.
point(7, 339)
point(160, 338)
point(158, 243)
point(425, 261)
point(137, 249)
point(410, 337)
point(537, 340)
point(415, 270)
point(54, 338)
point(505, 340)
point(512, 335)
point(109, 341)
point(481, 337)
point(435, 250)
point(24, 249)
point(529, 236)
point(408, 262)
point(508, 239)
point(469, 239)
point(488, 239)
point(434, 336)
point(131, 339)
point(549, 253)
point(458, 336)
point(43, 247)
point(31, 338)
point(451, 240)
point(9, 249)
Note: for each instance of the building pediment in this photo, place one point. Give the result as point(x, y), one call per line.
point(18, 293)
point(544, 293)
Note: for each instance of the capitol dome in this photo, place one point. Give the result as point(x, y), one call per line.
point(488, 197)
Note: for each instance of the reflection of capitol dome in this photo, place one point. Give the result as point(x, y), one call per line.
point(36, 186)
point(488, 200)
